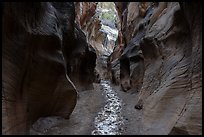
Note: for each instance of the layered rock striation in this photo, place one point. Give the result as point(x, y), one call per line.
point(161, 59)
point(43, 50)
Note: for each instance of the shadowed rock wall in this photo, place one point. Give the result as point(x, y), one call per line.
point(38, 38)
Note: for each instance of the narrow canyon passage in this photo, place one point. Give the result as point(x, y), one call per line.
point(104, 110)
point(110, 111)
point(108, 119)
point(102, 68)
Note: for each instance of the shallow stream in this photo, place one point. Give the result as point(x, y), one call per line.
point(109, 120)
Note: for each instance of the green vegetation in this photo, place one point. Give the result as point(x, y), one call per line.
point(109, 11)
point(108, 16)
point(107, 5)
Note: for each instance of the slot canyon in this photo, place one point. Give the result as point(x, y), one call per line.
point(102, 68)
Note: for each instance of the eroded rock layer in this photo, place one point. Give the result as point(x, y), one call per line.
point(50, 50)
point(161, 59)
point(99, 34)
point(43, 50)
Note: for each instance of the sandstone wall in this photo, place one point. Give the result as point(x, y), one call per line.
point(38, 38)
point(161, 60)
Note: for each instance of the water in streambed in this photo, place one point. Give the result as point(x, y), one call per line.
point(109, 120)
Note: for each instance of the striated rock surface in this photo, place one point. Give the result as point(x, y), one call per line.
point(161, 59)
point(50, 51)
point(120, 42)
point(81, 61)
point(101, 33)
point(38, 71)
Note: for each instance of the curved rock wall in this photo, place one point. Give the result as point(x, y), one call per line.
point(37, 66)
point(49, 53)
point(161, 60)
point(87, 17)
point(82, 62)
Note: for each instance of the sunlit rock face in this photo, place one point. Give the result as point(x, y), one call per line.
point(109, 41)
point(101, 33)
point(85, 19)
point(99, 22)
point(37, 67)
point(161, 59)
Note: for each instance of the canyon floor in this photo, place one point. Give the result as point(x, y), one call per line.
point(82, 120)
